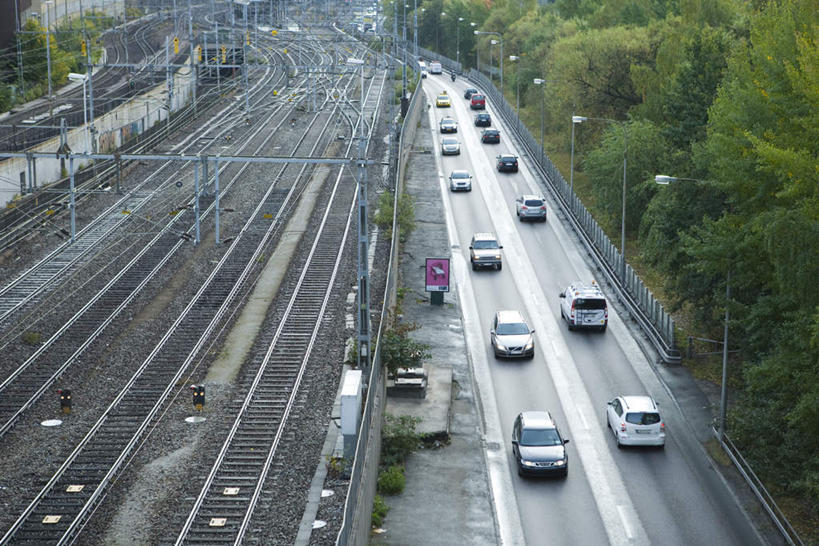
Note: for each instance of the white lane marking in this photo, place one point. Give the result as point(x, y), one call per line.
point(624, 518)
point(601, 471)
point(497, 466)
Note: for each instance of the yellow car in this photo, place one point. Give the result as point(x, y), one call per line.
point(443, 101)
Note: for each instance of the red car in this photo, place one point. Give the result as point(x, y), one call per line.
point(477, 102)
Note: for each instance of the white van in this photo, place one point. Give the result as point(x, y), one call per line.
point(434, 67)
point(423, 66)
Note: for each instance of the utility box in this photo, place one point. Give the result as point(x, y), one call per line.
point(351, 402)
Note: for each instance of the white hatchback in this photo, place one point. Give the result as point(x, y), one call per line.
point(635, 421)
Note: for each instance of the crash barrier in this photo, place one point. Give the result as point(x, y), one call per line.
point(768, 503)
point(645, 309)
point(355, 527)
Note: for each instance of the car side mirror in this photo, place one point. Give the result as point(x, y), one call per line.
point(500, 246)
point(514, 442)
point(492, 331)
point(561, 295)
point(566, 441)
point(609, 403)
point(470, 247)
point(533, 331)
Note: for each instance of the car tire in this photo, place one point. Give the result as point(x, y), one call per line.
point(565, 473)
point(569, 325)
point(474, 267)
point(617, 439)
point(603, 328)
point(520, 471)
point(500, 266)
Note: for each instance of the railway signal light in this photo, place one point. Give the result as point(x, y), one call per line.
point(199, 53)
point(83, 47)
point(65, 400)
point(176, 45)
point(198, 396)
point(247, 37)
point(274, 32)
point(224, 54)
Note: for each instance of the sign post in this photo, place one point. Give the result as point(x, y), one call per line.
point(437, 279)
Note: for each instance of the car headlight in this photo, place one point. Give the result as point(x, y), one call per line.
point(527, 463)
point(561, 462)
point(530, 345)
point(500, 345)
point(497, 256)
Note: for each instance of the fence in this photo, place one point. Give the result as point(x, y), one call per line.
point(355, 528)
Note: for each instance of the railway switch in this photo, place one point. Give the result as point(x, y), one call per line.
point(65, 400)
point(198, 396)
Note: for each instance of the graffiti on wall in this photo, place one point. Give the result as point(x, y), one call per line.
point(108, 141)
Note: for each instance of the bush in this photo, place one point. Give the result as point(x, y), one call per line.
point(392, 480)
point(32, 338)
point(406, 214)
point(380, 510)
point(398, 439)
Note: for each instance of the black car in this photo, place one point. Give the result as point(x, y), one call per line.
point(490, 136)
point(537, 445)
point(507, 163)
point(483, 120)
point(469, 92)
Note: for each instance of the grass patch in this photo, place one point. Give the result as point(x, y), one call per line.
point(716, 452)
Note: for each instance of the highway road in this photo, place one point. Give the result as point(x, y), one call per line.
point(616, 496)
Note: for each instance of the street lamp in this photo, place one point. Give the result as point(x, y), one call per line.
point(493, 42)
point(415, 28)
point(74, 77)
point(458, 40)
point(437, 26)
point(665, 180)
point(580, 119)
point(515, 58)
point(541, 81)
point(477, 51)
point(48, 4)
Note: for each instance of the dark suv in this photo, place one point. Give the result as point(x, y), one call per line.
point(469, 92)
point(507, 163)
point(537, 445)
point(490, 136)
point(483, 120)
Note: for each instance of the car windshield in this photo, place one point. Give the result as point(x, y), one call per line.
point(590, 303)
point(540, 437)
point(449, 141)
point(443, 97)
point(484, 245)
point(512, 329)
point(459, 174)
point(533, 203)
point(643, 418)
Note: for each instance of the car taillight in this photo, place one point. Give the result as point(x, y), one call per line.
point(662, 427)
point(524, 207)
point(543, 207)
point(622, 427)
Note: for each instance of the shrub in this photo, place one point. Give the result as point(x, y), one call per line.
point(398, 439)
point(32, 338)
point(380, 510)
point(392, 480)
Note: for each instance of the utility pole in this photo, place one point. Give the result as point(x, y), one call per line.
point(19, 49)
point(90, 79)
point(48, 60)
point(194, 62)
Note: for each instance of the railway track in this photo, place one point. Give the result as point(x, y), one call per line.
point(158, 374)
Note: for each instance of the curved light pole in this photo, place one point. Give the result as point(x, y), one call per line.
point(541, 81)
point(458, 40)
point(500, 41)
point(74, 77)
point(415, 27)
point(580, 119)
point(515, 59)
point(665, 180)
point(437, 27)
point(477, 51)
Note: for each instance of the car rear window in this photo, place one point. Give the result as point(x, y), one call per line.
point(534, 203)
point(643, 418)
point(477, 97)
point(512, 329)
point(591, 303)
point(539, 437)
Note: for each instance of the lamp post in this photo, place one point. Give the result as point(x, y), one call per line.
point(493, 42)
point(515, 59)
point(477, 51)
point(47, 4)
point(437, 26)
point(541, 81)
point(665, 180)
point(580, 119)
point(458, 40)
point(74, 77)
point(415, 27)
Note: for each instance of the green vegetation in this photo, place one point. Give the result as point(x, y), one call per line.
point(65, 42)
point(380, 510)
point(392, 480)
point(406, 214)
point(398, 439)
point(723, 92)
point(398, 349)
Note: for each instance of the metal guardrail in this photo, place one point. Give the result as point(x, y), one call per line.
point(765, 498)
